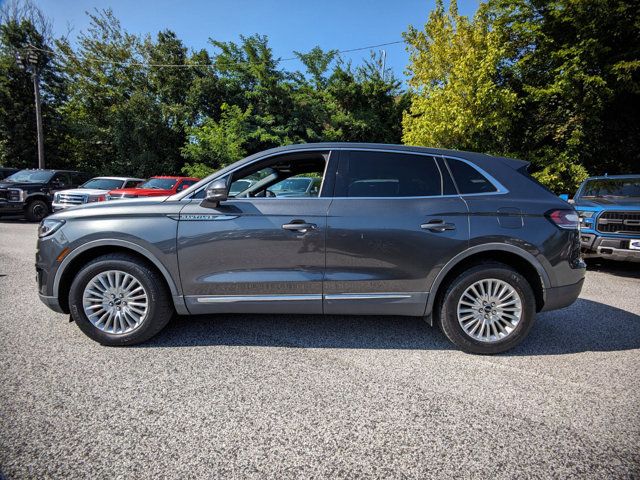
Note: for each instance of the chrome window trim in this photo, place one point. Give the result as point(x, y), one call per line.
point(500, 189)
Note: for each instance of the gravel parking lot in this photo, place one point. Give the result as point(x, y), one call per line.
point(311, 396)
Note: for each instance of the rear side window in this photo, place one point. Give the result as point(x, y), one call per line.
point(468, 179)
point(386, 174)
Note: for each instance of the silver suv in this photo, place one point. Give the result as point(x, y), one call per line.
point(465, 240)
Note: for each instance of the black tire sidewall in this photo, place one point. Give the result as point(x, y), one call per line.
point(30, 210)
point(159, 309)
point(449, 317)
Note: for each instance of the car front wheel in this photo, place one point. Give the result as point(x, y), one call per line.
point(36, 210)
point(118, 300)
point(487, 309)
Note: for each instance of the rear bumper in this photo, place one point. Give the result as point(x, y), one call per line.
point(560, 297)
point(614, 248)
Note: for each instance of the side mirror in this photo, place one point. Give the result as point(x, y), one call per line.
point(564, 196)
point(217, 191)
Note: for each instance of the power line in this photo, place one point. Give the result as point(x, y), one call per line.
point(196, 65)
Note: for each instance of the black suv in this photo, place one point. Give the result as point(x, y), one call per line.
point(30, 192)
point(467, 240)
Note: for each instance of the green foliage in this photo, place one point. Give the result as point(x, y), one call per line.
point(18, 147)
point(459, 102)
point(556, 83)
point(562, 177)
point(213, 145)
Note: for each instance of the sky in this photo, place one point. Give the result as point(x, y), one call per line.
point(290, 24)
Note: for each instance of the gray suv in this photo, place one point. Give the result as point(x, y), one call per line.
point(465, 240)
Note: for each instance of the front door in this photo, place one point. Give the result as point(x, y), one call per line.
point(391, 227)
point(256, 251)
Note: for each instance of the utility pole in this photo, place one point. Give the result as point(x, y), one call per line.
point(384, 63)
point(30, 63)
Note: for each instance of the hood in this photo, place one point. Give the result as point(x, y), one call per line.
point(84, 191)
point(142, 192)
point(626, 203)
point(128, 206)
point(23, 185)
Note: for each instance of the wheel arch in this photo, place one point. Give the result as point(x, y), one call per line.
point(36, 196)
point(80, 256)
point(524, 262)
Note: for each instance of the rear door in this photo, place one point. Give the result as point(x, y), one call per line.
point(393, 224)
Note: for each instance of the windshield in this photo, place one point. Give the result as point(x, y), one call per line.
point(102, 184)
point(30, 176)
point(618, 187)
point(159, 183)
point(291, 185)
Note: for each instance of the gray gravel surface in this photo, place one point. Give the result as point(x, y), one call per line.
point(317, 397)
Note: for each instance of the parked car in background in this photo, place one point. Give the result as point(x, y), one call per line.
point(160, 186)
point(467, 241)
point(30, 192)
point(609, 209)
point(95, 190)
point(240, 186)
point(6, 171)
point(297, 187)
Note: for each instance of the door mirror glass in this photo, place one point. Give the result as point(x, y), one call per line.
point(216, 192)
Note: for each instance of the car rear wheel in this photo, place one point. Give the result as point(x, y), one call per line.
point(36, 210)
point(118, 300)
point(487, 309)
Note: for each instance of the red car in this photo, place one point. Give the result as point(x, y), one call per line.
point(154, 187)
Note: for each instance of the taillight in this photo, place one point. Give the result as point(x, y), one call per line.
point(564, 218)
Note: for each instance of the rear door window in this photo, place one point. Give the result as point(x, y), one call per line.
point(468, 179)
point(387, 174)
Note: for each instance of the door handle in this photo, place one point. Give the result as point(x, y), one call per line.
point(438, 226)
point(299, 226)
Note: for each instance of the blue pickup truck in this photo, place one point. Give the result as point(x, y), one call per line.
point(609, 209)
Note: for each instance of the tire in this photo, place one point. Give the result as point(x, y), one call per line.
point(499, 275)
point(158, 311)
point(36, 210)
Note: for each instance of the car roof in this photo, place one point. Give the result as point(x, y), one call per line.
point(174, 177)
point(119, 178)
point(54, 170)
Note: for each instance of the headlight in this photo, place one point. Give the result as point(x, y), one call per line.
point(49, 226)
point(586, 213)
point(16, 195)
point(94, 198)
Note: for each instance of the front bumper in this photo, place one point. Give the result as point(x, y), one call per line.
point(614, 248)
point(61, 206)
point(560, 297)
point(51, 302)
point(11, 208)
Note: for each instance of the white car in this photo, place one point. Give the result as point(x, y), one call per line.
point(95, 190)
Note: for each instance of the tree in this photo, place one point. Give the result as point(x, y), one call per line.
point(215, 144)
point(459, 101)
point(22, 28)
point(127, 115)
point(576, 67)
point(553, 82)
